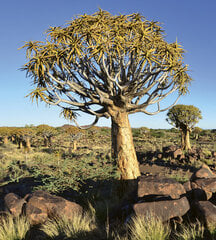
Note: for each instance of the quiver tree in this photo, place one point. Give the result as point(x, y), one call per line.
point(184, 117)
point(47, 133)
point(107, 66)
point(197, 131)
point(4, 134)
point(74, 135)
point(23, 137)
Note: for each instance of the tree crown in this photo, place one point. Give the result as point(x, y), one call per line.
point(99, 61)
point(184, 116)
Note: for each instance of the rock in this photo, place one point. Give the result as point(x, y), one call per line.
point(159, 186)
point(177, 153)
point(207, 184)
point(41, 205)
point(206, 211)
point(203, 172)
point(14, 204)
point(198, 194)
point(164, 210)
point(169, 149)
point(187, 186)
point(191, 159)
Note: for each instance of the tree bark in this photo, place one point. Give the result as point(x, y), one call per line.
point(28, 144)
point(50, 139)
point(46, 142)
point(5, 140)
point(186, 139)
point(74, 145)
point(20, 144)
point(123, 147)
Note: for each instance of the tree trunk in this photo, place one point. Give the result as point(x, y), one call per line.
point(20, 144)
point(123, 147)
point(186, 139)
point(28, 144)
point(5, 140)
point(46, 142)
point(50, 138)
point(74, 145)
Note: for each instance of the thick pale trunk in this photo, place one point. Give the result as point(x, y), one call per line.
point(28, 144)
point(74, 145)
point(5, 140)
point(123, 147)
point(13, 139)
point(186, 139)
point(20, 144)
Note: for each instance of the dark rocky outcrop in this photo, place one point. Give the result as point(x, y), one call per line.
point(206, 211)
point(14, 204)
point(165, 210)
point(41, 205)
point(160, 197)
point(203, 172)
point(159, 186)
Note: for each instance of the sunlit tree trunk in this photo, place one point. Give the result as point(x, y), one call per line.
point(74, 145)
point(28, 144)
point(13, 139)
point(5, 140)
point(123, 148)
point(20, 144)
point(185, 139)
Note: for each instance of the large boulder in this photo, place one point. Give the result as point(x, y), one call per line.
point(203, 172)
point(41, 205)
point(207, 184)
point(206, 211)
point(14, 204)
point(152, 185)
point(164, 210)
point(178, 153)
point(200, 194)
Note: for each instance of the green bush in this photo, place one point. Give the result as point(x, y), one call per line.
point(157, 133)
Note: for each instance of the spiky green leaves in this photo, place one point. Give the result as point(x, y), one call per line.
point(100, 58)
point(92, 36)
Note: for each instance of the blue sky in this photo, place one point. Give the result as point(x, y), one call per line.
point(191, 22)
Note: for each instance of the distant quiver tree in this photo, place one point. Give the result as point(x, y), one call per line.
point(184, 117)
point(107, 66)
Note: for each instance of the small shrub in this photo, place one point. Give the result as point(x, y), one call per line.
point(77, 228)
point(13, 229)
point(157, 133)
point(191, 232)
point(206, 153)
point(148, 228)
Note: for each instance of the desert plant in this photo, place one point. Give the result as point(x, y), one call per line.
point(107, 66)
point(4, 134)
point(184, 117)
point(13, 228)
point(76, 228)
point(196, 132)
point(191, 232)
point(148, 228)
point(23, 137)
point(47, 132)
